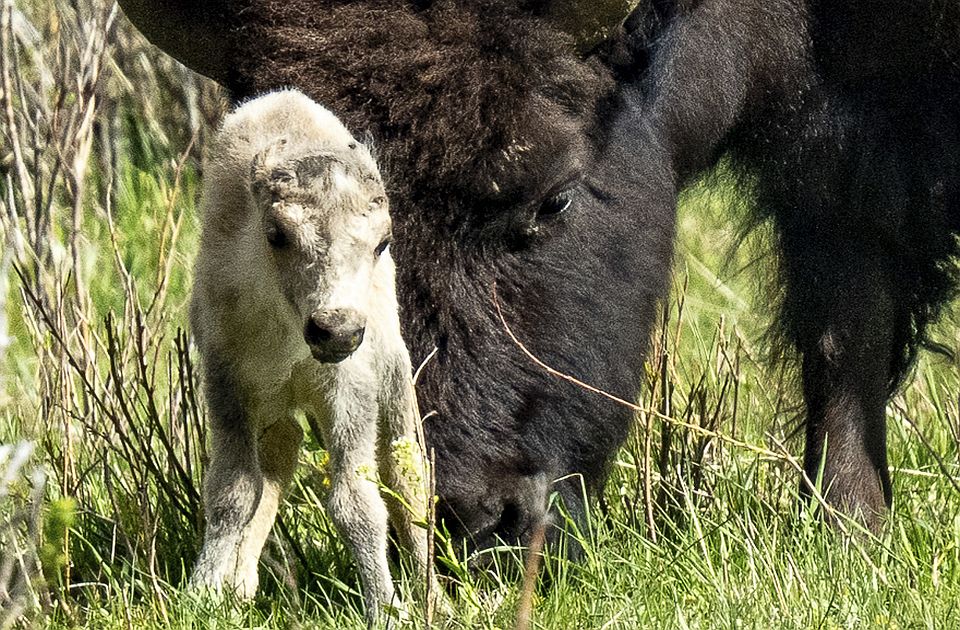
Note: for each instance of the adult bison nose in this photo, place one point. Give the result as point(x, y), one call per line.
point(333, 334)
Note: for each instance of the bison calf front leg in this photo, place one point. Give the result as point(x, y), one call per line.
point(233, 489)
point(354, 502)
point(242, 493)
point(243, 487)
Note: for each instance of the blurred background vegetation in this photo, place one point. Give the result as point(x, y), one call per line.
point(100, 516)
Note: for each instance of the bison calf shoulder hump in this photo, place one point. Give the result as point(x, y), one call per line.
point(294, 308)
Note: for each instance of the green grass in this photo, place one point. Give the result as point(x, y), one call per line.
point(729, 549)
point(698, 528)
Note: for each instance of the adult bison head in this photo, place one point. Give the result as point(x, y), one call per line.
point(513, 160)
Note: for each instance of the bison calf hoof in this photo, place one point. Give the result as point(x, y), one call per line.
point(219, 580)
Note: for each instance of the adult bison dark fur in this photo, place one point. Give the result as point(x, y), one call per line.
point(845, 120)
point(840, 117)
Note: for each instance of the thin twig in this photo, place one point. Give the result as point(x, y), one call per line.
point(429, 599)
point(531, 570)
point(783, 455)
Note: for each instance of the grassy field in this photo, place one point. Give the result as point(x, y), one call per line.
point(698, 528)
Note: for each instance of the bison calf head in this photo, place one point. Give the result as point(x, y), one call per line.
point(324, 227)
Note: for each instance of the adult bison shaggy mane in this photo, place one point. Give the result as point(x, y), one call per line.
point(546, 164)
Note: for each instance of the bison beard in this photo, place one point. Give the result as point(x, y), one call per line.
point(840, 118)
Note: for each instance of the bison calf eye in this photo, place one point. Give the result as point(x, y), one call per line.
point(555, 205)
point(276, 236)
point(382, 246)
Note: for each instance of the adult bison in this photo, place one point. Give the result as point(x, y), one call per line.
point(539, 146)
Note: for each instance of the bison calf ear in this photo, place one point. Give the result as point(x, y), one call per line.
point(267, 175)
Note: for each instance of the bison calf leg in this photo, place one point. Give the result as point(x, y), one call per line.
point(277, 451)
point(242, 490)
point(843, 317)
point(354, 502)
point(232, 490)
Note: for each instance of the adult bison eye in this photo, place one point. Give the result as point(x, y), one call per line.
point(276, 236)
point(382, 246)
point(555, 205)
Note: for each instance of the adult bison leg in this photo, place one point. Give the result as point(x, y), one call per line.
point(842, 313)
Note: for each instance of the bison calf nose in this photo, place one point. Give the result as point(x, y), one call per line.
point(334, 334)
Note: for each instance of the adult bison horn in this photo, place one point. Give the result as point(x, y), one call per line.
point(590, 21)
point(194, 32)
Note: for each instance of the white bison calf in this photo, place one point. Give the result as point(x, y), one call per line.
point(294, 308)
